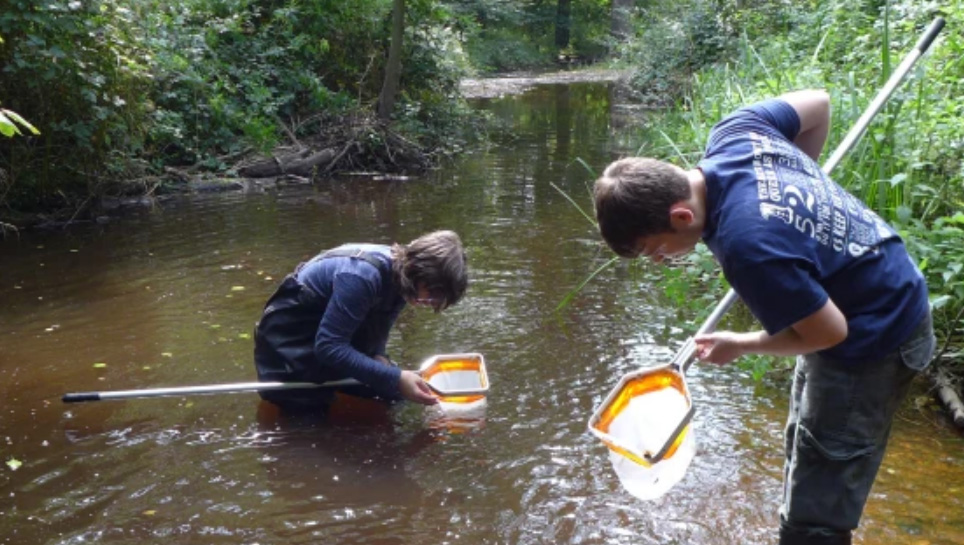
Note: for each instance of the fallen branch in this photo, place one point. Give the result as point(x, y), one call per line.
point(339, 156)
point(288, 132)
point(4, 227)
point(299, 164)
point(947, 393)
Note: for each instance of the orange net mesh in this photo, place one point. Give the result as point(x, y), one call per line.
point(639, 386)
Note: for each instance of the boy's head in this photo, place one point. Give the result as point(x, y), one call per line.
point(640, 198)
point(431, 269)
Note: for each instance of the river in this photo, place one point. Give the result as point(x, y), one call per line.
point(167, 296)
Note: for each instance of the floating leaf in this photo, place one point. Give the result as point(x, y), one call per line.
point(244, 336)
point(150, 512)
point(100, 365)
point(14, 464)
point(215, 326)
point(167, 354)
point(146, 368)
point(237, 288)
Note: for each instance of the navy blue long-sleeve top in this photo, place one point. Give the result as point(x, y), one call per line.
point(363, 304)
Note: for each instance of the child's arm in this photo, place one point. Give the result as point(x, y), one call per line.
point(823, 329)
point(813, 109)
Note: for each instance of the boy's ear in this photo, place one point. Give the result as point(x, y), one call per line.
point(680, 215)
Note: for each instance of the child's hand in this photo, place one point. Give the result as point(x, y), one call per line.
point(413, 388)
point(720, 347)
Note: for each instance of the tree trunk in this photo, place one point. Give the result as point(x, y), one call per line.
point(563, 22)
point(393, 70)
point(620, 19)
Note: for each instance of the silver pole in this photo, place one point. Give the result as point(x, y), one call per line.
point(236, 387)
point(884, 94)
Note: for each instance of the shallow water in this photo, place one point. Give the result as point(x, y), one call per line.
point(169, 296)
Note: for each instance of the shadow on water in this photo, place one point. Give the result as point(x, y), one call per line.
point(168, 297)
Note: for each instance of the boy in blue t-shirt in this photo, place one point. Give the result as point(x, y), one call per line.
point(830, 282)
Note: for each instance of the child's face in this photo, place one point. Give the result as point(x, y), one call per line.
point(424, 298)
point(666, 245)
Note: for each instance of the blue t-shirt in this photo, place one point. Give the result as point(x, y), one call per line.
point(787, 237)
point(363, 304)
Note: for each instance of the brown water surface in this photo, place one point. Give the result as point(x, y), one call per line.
point(169, 296)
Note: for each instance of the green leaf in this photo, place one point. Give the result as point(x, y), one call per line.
point(904, 213)
point(571, 294)
point(23, 122)
point(14, 464)
point(956, 218)
point(7, 128)
point(940, 301)
point(100, 365)
point(586, 166)
point(574, 203)
point(897, 179)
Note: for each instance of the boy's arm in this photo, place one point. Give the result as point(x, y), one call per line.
point(813, 109)
point(823, 329)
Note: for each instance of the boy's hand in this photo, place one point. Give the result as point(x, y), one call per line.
point(720, 347)
point(413, 388)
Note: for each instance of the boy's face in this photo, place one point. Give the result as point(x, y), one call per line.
point(687, 229)
point(425, 298)
point(666, 245)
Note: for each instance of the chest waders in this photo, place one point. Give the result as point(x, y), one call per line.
point(284, 338)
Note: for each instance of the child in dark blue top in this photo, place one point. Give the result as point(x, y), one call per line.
point(827, 278)
point(331, 318)
point(789, 239)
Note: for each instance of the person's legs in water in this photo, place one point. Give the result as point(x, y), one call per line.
point(840, 419)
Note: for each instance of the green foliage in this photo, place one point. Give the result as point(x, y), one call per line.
point(228, 68)
point(506, 35)
point(122, 88)
point(676, 39)
point(74, 69)
point(247, 66)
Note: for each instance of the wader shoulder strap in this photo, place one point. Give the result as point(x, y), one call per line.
point(363, 255)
